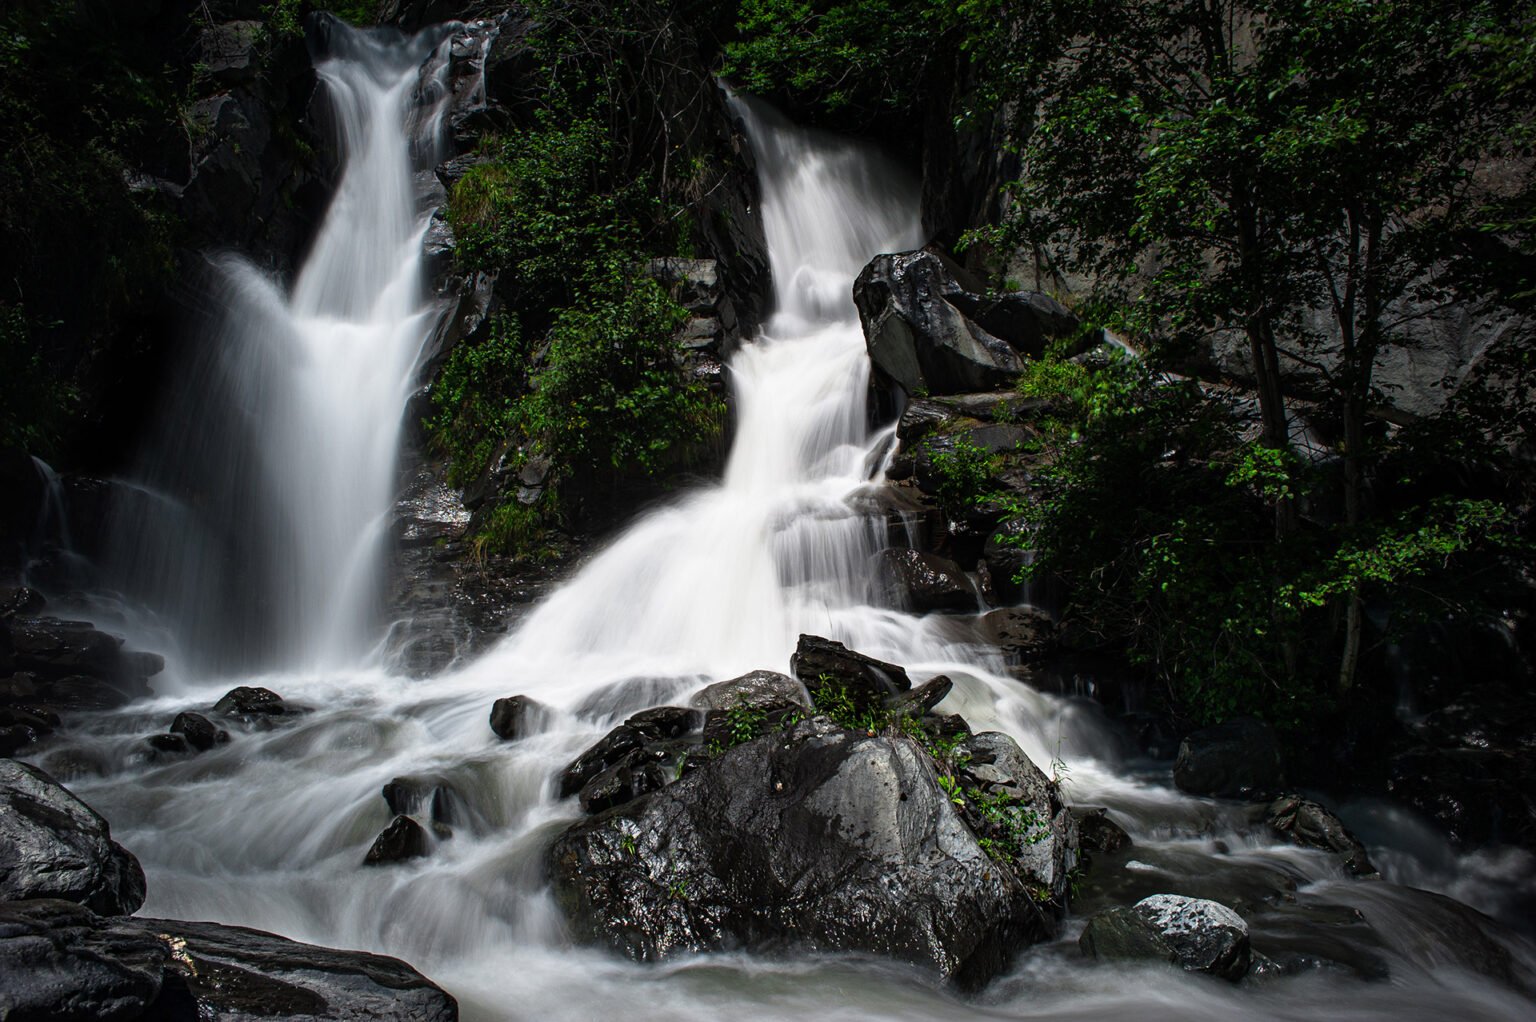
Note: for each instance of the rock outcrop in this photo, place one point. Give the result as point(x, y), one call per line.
point(929, 332)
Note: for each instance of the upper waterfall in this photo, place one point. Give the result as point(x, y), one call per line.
point(725, 580)
point(263, 532)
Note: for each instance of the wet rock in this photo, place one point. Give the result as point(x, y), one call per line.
point(52, 648)
point(516, 717)
point(664, 722)
point(627, 781)
point(1479, 790)
point(926, 331)
point(1097, 832)
point(607, 753)
point(824, 664)
point(923, 582)
point(814, 838)
point(248, 702)
point(759, 690)
point(230, 972)
point(924, 697)
point(1045, 848)
point(1236, 759)
point(1198, 935)
point(17, 601)
point(200, 732)
point(168, 744)
point(1022, 634)
point(434, 798)
point(59, 961)
point(403, 839)
point(1308, 824)
point(52, 845)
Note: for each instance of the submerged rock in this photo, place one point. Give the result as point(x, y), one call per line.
point(1235, 759)
point(1197, 935)
point(815, 838)
point(52, 845)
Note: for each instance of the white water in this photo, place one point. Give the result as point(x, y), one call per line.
point(270, 830)
point(262, 529)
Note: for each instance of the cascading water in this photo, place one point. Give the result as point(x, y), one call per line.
point(260, 532)
point(270, 830)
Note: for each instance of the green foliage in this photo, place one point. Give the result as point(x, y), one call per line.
point(473, 399)
point(34, 401)
point(81, 249)
point(962, 470)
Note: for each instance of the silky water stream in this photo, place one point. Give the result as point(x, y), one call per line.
point(270, 830)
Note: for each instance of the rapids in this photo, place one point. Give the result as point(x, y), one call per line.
point(270, 830)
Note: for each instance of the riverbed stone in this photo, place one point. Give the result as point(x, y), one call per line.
point(403, 839)
point(201, 733)
point(1196, 934)
point(52, 845)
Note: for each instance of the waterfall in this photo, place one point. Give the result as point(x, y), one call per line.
point(270, 830)
point(261, 527)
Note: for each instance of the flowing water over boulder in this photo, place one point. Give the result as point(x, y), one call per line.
point(814, 838)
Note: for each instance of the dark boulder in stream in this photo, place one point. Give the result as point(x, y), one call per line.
point(52, 845)
point(1195, 934)
point(1238, 758)
point(62, 961)
point(1310, 825)
point(816, 838)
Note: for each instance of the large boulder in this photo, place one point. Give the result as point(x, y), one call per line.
point(58, 961)
point(1238, 758)
point(813, 838)
point(52, 845)
point(929, 332)
point(61, 961)
point(1195, 934)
